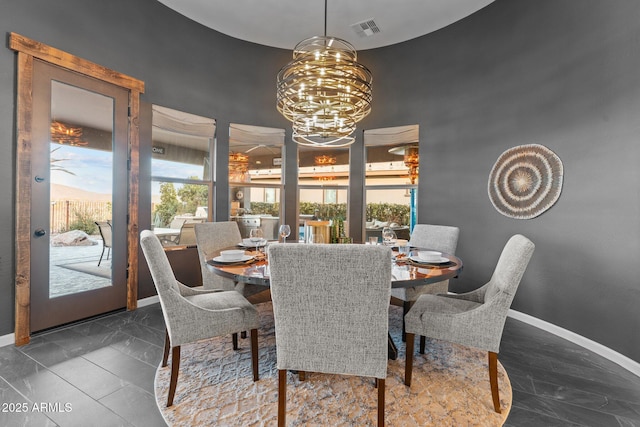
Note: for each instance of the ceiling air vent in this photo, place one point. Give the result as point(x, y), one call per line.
point(365, 28)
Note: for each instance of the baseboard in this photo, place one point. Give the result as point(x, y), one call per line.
point(7, 340)
point(148, 301)
point(622, 360)
point(10, 339)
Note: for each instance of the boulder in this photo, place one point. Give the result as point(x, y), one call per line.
point(73, 238)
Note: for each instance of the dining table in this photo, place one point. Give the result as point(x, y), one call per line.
point(407, 270)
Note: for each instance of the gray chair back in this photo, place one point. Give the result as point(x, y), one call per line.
point(211, 237)
point(330, 305)
point(511, 266)
point(161, 273)
point(442, 238)
point(439, 237)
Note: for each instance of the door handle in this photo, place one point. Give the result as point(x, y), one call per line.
point(39, 178)
point(39, 232)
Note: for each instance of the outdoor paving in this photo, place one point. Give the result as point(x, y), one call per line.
point(64, 281)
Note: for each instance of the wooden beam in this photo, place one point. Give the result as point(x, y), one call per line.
point(71, 62)
point(22, 328)
point(133, 238)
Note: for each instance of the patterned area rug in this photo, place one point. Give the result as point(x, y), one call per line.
point(450, 387)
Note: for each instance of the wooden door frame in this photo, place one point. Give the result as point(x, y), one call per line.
point(28, 50)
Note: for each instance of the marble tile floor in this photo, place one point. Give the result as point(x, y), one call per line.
point(104, 370)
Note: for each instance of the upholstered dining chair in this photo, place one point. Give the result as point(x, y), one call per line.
point(438, 237)
point(107, 238)
point(331, 311)
point(211, 237)
point(474, 319)
point(191, 315)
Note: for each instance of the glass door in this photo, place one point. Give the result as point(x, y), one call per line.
point(79, 197)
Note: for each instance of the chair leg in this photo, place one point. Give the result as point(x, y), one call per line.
point(99, 261)
point(175, 366)
point(493, 380)
point(302, 375)
point(234, 340)
point(254, 354)
point(167, 346)
point(406, 306)
point(381, 389)
point(422, 343)
point(282, 397)
point(243, 334)
point(408, 367)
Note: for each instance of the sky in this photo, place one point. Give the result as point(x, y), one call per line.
point(92, 169)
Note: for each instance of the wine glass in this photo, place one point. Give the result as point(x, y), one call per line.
point(256, 236)
point(389, 237)
point(284, 232)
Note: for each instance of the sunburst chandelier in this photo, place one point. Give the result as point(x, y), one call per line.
point(238, 167)
point(411, 160)
point(324, 91)
point(65, 134)
point(325, 161)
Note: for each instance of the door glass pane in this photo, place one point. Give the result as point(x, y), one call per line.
point(81, 182)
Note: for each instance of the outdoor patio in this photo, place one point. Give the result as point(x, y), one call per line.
point(75, 269)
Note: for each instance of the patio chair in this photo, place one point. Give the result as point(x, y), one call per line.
point(107, 241)
point(186, 237)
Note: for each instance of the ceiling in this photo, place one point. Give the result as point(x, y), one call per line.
point(283, 23)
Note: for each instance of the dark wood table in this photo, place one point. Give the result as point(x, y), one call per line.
point(405, 273)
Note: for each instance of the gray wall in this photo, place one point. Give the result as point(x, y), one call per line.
point(562, 73)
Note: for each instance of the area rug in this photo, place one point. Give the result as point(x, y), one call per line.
point(450, 387)
point(91, 268)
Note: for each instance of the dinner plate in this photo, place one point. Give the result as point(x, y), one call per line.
point(224, 261)
point(419, 260)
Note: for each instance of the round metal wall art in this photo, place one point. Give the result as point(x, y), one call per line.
point(525, 181)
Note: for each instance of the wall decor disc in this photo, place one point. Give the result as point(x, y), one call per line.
point(525, 181)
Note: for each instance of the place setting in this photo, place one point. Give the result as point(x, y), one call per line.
point(428, 258)
point(232, 257)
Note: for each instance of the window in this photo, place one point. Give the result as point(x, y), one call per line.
point(255, 178)
point(323, 183)
point(182, 182)
point(391, 180)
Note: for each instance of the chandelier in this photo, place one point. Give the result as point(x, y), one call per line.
point(238, 167)
point(324, 91)
point(325, 160)
point(411, 159)
point(65, 134)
